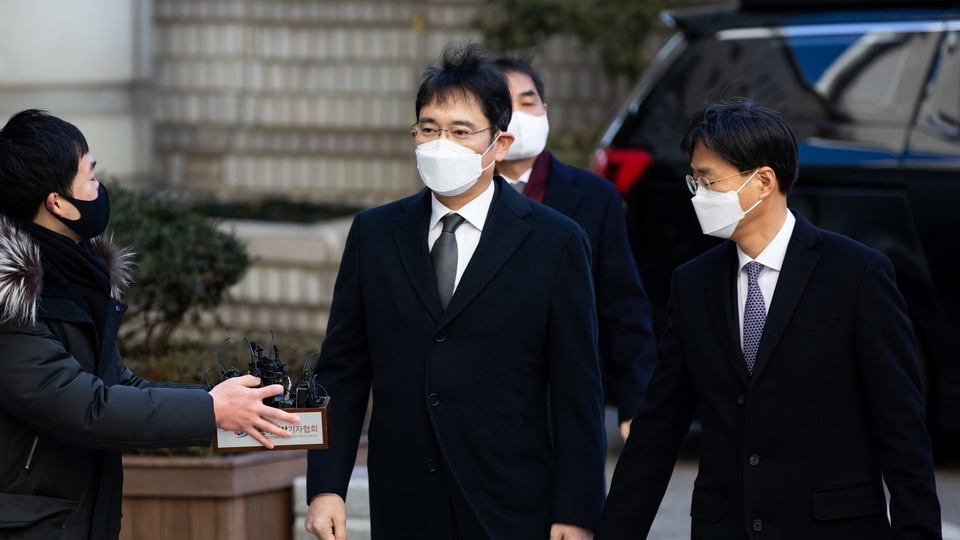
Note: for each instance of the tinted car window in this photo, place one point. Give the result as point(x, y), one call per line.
point(940, 110)
point(820, 80)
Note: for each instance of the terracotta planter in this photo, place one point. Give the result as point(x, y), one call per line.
point(236, 497)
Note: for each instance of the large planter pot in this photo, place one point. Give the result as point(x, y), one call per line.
point(236, 497)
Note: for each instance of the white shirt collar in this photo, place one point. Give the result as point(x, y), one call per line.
point(525, 177)
point(474, 212)
point(772, 256)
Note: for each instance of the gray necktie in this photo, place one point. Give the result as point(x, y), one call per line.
point(444, 255)
point(754, 315)
point(519, 186)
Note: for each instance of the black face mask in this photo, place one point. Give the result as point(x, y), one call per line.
point(94, 215)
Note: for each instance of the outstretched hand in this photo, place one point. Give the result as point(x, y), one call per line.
point(238, 406)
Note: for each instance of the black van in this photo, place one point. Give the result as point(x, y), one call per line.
point(873, 95)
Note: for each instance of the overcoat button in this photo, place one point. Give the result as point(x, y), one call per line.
point(433, 400)
point(757, 525)
point(754, 460)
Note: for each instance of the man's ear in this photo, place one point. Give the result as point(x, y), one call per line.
point(52, 204)
point(768, 181)
point(503, 144)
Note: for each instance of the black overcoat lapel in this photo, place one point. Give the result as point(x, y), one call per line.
point(798, 266)
point(722, 305)
point(563, 195)
point(504, 232)
point(410, 236)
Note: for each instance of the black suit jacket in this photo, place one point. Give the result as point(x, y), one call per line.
point(494, 404)
point(799, 449)
point(628, 347)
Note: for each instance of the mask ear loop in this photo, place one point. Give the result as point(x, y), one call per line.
point(743, 185)
point(756, 204)
point(494, 162)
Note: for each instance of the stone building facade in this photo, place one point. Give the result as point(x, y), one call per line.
point(89, 63)
point(312, 99)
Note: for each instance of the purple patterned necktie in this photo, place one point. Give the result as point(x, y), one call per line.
point(754, 315)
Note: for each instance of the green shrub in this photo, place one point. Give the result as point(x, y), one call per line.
point(278, 209)
point(184, 266)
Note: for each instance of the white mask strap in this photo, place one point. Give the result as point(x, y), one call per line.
point(748, 181)
point(492, 163)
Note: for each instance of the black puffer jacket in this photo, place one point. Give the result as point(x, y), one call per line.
point(66, 409)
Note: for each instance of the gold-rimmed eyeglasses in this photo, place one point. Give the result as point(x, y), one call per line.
point(694, 183)
point(430, 132)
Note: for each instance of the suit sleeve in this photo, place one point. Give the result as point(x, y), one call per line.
point(658, 430)
point(624, 315)
point(890, 383)
point(576, 394)
point(343, 368)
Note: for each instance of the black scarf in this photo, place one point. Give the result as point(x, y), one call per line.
point(74, 270)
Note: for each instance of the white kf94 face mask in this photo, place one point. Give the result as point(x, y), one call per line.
point(448, 168)
point(530, 134)
point(719, 212)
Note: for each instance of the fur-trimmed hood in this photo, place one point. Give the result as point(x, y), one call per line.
point(21, 273)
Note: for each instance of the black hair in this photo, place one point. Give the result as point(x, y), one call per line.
point(509, 64)
point(748, 135)
point(39, 155)
point(464, 71)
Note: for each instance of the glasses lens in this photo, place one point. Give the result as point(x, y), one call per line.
point(427, 133)
point(691, 184)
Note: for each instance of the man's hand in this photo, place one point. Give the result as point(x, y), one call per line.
point(238, 406)
point(565, 531)
point(327, 517)
point(625, 429)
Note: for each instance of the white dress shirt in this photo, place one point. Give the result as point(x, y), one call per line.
point(772, 260)
point(468, 233)
point(522, 180)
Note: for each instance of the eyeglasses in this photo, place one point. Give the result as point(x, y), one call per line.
point(694, 183)
point(430, 132)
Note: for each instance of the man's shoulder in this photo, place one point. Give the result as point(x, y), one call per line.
point(709, 259)
point(587, 181)
point(845, 245)
point(392, 209)
point(831, 245)
point(549, 220)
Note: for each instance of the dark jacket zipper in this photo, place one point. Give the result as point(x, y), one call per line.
point(33, 448)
